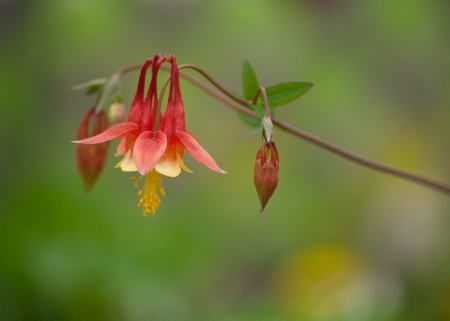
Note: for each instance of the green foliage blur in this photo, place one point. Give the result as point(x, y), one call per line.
point(336, 242)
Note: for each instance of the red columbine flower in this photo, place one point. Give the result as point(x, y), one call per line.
point(178, 139)
point(150, 153)
point(266, 172)
point(92, 158)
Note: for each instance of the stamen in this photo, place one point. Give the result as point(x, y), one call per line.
point(136, 182)
point(150, 199)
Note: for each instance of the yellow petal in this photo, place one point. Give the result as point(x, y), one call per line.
point(127, 163)
point(168, 167)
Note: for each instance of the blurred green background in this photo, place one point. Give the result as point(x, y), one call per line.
point(336, 242)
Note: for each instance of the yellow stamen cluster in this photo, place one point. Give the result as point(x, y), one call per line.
point(150, 199)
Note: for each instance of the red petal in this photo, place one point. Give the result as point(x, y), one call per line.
point(136, 106)
point(122, 147)
point(148, 150)
point(116, 131)
point(198, 152)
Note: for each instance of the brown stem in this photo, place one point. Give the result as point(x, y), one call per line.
point(216, 84)
point(128, 69)
point(362, 160)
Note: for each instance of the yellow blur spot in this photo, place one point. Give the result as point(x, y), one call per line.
point(315, 284)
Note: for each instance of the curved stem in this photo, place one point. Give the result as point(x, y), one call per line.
point(266, 100)
point(216, 84)
point(128, 69)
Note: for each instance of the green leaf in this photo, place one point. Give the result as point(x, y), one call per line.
point(285, 92)
point(252, 122)
point(251, 131)
point(109, 92)
point(92, 86)
point(93, 89)
point(249, 80)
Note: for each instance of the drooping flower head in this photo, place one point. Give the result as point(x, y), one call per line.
point(178, 139)
point(148, 148)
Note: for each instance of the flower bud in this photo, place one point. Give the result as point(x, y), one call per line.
point(266, 171)
point(92, 158)
point(267, 128)
point(116, 113)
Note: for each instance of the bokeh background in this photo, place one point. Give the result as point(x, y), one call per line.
point(337, 241)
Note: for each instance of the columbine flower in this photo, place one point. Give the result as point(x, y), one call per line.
point(146, 149)
point(266, 172)
point(92, 158)
point(178, 139)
